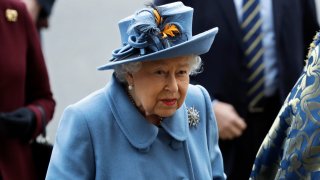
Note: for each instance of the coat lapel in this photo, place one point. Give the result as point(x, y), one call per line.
point(177, 125)
point(277, 11)
point(229, 11)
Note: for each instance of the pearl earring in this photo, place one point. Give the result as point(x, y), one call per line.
point(130, 87)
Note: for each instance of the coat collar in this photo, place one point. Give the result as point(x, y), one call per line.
point(140, 133)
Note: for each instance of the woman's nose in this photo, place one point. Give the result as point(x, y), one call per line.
point(172, 84)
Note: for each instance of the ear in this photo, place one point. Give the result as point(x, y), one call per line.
point(129, 78)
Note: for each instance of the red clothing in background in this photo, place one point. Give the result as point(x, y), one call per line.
point(23, 83)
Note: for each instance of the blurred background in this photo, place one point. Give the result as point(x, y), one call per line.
point(81, 36)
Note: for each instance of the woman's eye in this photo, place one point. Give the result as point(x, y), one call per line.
point(182, 72)
point(160, 72)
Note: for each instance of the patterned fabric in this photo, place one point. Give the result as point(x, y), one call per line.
point(252, 41)
point(291, 150)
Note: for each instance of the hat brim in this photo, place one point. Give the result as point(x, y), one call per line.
point(197, 45)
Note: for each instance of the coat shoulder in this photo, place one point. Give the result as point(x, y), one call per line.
point(91, 105)
point(198, 98)
point(197, 94)
point(90, 101)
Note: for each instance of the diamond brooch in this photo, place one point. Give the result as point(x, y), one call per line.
point(193, 117)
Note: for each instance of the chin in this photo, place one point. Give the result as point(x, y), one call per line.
point(166, 113)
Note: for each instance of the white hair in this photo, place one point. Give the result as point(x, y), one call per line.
point(121, 70)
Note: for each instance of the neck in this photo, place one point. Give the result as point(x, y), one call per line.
point(155, 119)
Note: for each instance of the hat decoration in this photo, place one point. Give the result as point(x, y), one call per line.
point(150, 32)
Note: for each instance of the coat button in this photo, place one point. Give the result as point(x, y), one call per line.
point(175, 144)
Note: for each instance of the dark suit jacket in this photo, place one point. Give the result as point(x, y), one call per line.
point(45, 12)
point(224, 72)
point(46, 7)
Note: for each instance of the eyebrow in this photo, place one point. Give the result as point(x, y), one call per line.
point(165, 64)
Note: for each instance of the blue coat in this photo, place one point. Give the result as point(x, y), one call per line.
point(104, 137)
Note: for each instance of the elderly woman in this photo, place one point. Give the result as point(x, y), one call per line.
point(148, 122)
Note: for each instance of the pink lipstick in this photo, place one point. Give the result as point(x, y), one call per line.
point(169, 102)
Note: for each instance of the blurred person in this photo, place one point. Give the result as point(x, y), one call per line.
point(291, 148)
point(26, 102)
point(148, 122)
point(253, 64)
point(40, 11)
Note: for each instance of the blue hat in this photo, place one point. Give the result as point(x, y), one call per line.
point(160, 32)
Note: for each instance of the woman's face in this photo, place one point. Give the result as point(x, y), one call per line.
point(159, 87)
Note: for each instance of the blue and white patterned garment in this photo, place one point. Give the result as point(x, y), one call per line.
point(291, 150)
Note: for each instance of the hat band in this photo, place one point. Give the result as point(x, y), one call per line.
point(139, 45)
point(134, 43)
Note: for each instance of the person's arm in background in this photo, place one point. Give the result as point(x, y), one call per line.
point(230, 124)
point(27, 121)
point(38, 91)
point(40, 11)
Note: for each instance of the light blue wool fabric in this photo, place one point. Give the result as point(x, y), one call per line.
point(104, 137)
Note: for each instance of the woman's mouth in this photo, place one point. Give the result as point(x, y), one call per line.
point(169, 102)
